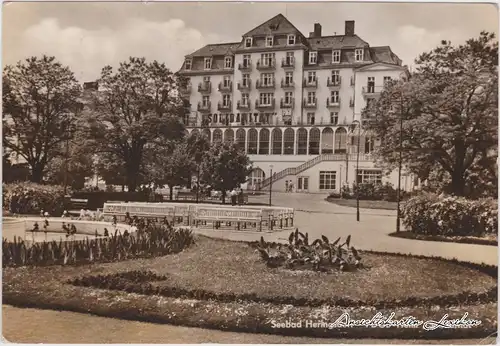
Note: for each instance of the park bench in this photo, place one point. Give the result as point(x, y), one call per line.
point(78, 203)
point(217, 215)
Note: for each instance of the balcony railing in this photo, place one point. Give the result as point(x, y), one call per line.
point(332, 103)
point(310, 103)
point(226, 87)
point(243, 105)
point(287, 84)
point(205, 87)
point(288, 62)
point(334, 82)
point(204, 107)
point(311, 83)
point(245, 66)
point(267, 64)
point(265, 105)
point(372, 90)
point(245, 86)
point(270, 84)
point(287, 104)
point(276, 121)
point(221, 106)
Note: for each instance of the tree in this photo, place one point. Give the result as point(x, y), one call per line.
point(225, 167)
point(449, 114)
point(197, 146)
point(40, 101)
point(136, 109)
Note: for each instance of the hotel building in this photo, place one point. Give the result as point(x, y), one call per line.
point(293, 103)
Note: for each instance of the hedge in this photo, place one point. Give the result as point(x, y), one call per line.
point(32, 198)
point(370, 192)
point(96, 199)
point(431, 214)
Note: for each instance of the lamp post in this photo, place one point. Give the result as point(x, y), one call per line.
point(398, 216)
point(270, 184)
point(353, 127)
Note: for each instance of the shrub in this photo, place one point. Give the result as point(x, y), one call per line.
point(31, 198)
point(96, 199)
point(430, 214)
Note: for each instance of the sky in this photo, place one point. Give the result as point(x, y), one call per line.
point(86, 36)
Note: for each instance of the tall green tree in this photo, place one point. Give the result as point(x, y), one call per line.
point(40, 104)
point(449, 113)
point(136, 108)
point(225, 167)
point(197, 146)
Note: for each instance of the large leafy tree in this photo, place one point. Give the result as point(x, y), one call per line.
point(40, 103)
point(447, 114)
point(225, 167)
point(136, 109)
point(197, 145)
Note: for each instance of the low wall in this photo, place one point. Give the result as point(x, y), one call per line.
point(13, 228)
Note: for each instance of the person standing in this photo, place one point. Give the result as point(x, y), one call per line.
point(286, 185)
point(233, 197)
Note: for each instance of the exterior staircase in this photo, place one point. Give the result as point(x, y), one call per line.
point(308, 164)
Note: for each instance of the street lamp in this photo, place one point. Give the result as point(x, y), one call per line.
point(270, 183)
point(398, 216)
point(353, 127)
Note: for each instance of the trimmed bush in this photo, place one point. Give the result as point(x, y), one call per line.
point(370, 192)
point(31, 198)
point(96, 199)
point(430, 214)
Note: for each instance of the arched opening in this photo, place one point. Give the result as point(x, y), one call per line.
point(302, 141)
point(340, 141)
point(314, 135)
point(195, 131)
point(264, 142)
point(327, 141)
point(229, 136)
point(206, 132)
point(289, 141)
point(256, 177)
point(277, 138)
point(217, 135)
point(240, 139)
point(252, 141)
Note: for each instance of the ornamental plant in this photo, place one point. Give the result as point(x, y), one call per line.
point(32, 198)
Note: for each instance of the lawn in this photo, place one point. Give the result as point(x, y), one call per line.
point(488, 239)
point(364, 204)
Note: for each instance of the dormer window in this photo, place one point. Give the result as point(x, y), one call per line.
point(358, 54)
point(313, 57)
point(269, 41)
point(208, 63)
point(291, 40)
point(187, 64)
point(336, 56)
point(228, 62)
point(248, 42)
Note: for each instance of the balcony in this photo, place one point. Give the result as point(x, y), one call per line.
point(288, 62)
point(221, 106)
point(265, 105)
point(311, 83)
point(334, 82)
point(310, 103)
point(245, 86)
point(205, 87)
point(205, 108)
point(270, 84)
point(287, 104)
point(287, 84)
point(332, 102)
point(372, 90)
point(245, 66)
point(267, 64)
point(226, 87)
point(240, 105)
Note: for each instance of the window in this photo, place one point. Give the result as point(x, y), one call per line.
point(336, 56)
point(206, 101)
point(267, 79)
point(373, 176)
point(246, 80)
point(206, 79)
point(387, 80)
point(334, 118)
point(256, 177)
point(311, 97)
point(244, 99)
point(288, 142)
point(327, 180)
point(248, 42)
point(335, 76)
point(227, 81)
point(226, 100)
point(269, 41)
point(266, 98)
point(288, 97)
point(208, 63)
point(228, 62)
point(264, 142)
point(289, 58)
point(276, 141)
point(267, 59)
point(252, 141)
point(334, 96)
point(289, 78)
point(311, 77)
point(358, 54)
point(246, 60)
point(291, 40)
point(371, 84)
point(187, 65)
point(310, 118)
point(369, 145)
point(313, 57)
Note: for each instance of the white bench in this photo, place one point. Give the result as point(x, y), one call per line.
point(229, 215)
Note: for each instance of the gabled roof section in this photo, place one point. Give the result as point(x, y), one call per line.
point(381, 66)
point(274, 26)
point(384, 54)
point(336, 42)
point(215, 49)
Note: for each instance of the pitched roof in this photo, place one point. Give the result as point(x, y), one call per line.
point(215, 49)
point(384, 54)
point(336, 42)
point(274, 26)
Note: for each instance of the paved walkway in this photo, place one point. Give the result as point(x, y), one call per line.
point(316, 216)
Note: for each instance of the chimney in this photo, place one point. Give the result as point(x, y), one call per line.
point(317, 30)
point(349, 28)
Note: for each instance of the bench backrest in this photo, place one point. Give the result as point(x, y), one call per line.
point(206, 213)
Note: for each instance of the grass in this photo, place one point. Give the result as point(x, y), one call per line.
point(489, 239)
point(220, 266)
point(364, 204)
